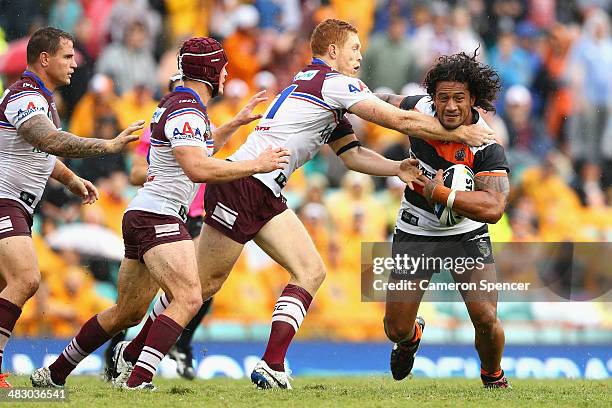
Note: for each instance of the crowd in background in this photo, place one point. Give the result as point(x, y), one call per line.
point(554, 58)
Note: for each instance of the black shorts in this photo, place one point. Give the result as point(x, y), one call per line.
point(454, 252)
point(194, 225)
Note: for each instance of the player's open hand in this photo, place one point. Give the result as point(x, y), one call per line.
point(476, 135)
point(125, 137)
point(409, 172)
point(273, 158)
point(84, 189)
point(246, 116)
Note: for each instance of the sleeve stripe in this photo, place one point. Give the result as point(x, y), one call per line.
point(185, 112)
point(494, 173)
point(25, 93)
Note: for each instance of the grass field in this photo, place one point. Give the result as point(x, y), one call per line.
point(334, 392)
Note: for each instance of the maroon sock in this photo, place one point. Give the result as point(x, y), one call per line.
point(133, 350)
point(9, 313)
point(90, 337)
point(162, 335)
point(289, 312)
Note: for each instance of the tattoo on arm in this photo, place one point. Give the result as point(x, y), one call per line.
point(499, 184)
point(40, 133)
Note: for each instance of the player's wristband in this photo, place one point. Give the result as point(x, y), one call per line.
point(440, 194)
point(451, 199)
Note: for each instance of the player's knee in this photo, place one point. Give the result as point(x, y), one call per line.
point(485, 321)
point(397, 330)
point(316, 274)
point(28, 285)
point(191, 302)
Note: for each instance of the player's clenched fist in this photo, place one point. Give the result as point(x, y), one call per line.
point(475, 135)
point(273, 158)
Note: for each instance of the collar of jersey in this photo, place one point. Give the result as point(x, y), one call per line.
point(318, 61)
point(181, 88)
point(38, 81)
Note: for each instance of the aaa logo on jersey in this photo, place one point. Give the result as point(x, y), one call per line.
point(188, 132)
point(353, 88)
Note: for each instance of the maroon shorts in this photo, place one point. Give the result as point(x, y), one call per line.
point(240, 208)
point(14, 219)
point(144, 230)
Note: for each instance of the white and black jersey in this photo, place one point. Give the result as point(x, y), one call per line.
point(416, 216)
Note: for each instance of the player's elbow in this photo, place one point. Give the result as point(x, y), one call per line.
point(492, 214)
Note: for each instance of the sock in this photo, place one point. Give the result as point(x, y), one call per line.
point(490, 377)
point(185, 340)
point(289, 312)
point(162, 335)
point(9, 313)
point(90, 337)
point(133, 350)
point(418, 332)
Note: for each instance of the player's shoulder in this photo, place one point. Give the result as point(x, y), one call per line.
point(180, 103)
point(420, 103)
point(24, 88)
point(337, 81)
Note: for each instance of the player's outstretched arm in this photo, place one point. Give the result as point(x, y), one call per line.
point(361, 159)
point(202, 169)
point(486, 204)
point(77, 186)
point(222, 134)
point(40, 133)
point(417, 124)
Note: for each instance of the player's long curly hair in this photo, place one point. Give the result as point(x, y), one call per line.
point(482, 80)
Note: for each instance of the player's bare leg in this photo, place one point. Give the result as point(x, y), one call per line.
point(21, 277)
point(489, 333)
point(403, 327)
point(286, 240)
point(173, 266)
point(216, 255)
point(136, 290)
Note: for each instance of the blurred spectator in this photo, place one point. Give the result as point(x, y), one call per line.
point(234, 94)
point(65, 14)
point(125, 12)
point(130, 62)
point(526, 133)
point(185, 19)
point(465, 37)
point(97, 13)
point(391, 199)
point(589, 68)
point(511, 61)
point(99, 101)
point(354, 204)
point(95, 168)
point(436, 38)
point(108, 210)
point(556, 95)
point(279, 15)
point(84, 71)
point(245, 53)
point(376, 71)
point(136, 104)
point(589, 186)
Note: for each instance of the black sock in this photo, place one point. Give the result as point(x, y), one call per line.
point(185, 339)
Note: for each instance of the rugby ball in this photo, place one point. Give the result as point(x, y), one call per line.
point(458, 177)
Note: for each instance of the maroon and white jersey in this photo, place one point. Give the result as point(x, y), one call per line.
point(303, 117)
point(179, 120)
point(24, 169)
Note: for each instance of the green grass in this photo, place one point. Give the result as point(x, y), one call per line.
point(333, 392)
